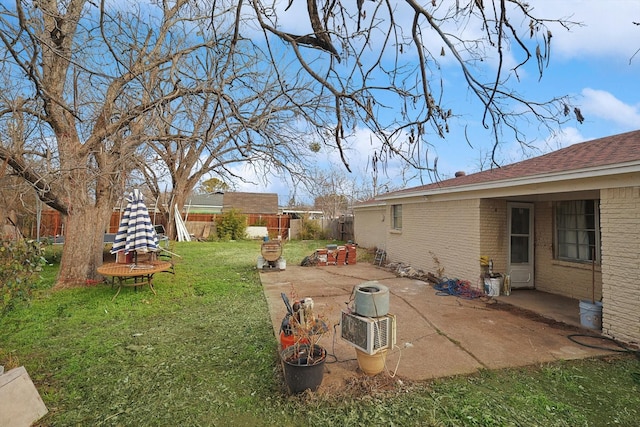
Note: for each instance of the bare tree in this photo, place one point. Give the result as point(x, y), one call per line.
point(383, 65)
point(111, 90)
point(91, 79)
point(40, 55)
point(245, 116)
point(334, 191)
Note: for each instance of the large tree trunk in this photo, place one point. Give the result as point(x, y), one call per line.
point(83, 246)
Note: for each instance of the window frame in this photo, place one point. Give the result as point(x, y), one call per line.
point(396, 217)
point(574, 218)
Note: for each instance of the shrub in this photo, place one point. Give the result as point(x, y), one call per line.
point(231, 225)
point(20, 260)
point(310, 229)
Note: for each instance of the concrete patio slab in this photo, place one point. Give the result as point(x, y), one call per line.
point(437, 336)
point(20, 402)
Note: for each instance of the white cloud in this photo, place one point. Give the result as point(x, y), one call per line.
point(606, 42)
point(566, 137)
point(604, 105)
point(607, 29)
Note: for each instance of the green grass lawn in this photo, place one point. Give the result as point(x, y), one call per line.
point(202, 353)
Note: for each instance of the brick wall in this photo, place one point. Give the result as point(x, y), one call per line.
point(370, 227)
point(439, 235)
point(620, 225)
point(493, 233)
point(450, 235)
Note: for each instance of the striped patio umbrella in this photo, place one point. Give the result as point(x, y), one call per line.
point(135, 233)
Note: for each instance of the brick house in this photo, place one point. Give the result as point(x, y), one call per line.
point(261, 209)
point(566, 223)
point(246, 203)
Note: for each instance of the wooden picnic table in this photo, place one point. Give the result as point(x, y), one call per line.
point(133, 274)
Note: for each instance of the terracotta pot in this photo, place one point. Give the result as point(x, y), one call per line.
point(371, 364)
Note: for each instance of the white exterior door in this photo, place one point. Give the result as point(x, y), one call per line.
point(520, 256)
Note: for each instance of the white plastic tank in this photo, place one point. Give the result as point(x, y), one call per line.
point(492, 286)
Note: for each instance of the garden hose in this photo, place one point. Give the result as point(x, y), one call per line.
point(623, 349)
point(455, 287)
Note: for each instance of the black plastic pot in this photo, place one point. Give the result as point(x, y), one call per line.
point(302, 372)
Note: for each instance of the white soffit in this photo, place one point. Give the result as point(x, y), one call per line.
point(555, 177)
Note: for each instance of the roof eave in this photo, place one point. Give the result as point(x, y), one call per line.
point(563, 176)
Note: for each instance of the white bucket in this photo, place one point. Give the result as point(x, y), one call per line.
point(591, 314)
point(260, 262)
point(282, 263)
point(492, 287)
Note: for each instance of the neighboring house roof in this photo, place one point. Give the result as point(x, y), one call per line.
point(251, 203)
point(247, 203)
point(604, 156)
point(209, 203)
point(298, 212)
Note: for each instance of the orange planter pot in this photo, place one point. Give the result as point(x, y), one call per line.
point(286, 340)
point(289, 340)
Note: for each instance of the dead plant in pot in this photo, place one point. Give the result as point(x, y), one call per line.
point(303, 358)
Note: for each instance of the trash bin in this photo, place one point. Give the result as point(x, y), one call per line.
point(493, 284)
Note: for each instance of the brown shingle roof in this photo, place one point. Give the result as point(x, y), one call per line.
point(251, 203)
point(610, 150)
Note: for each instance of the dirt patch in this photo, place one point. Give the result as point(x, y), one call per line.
point(531, 315)
point(356, 387)
point(365, 385)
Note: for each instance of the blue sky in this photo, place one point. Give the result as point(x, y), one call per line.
point(593, 63)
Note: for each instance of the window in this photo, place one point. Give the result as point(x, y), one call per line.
point(396, 217)
point(577, 230)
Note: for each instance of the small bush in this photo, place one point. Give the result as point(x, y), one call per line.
point(310, 229)
point(20, 260)
point(231, 225)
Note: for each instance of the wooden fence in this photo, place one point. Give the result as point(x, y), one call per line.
point(51, 223)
